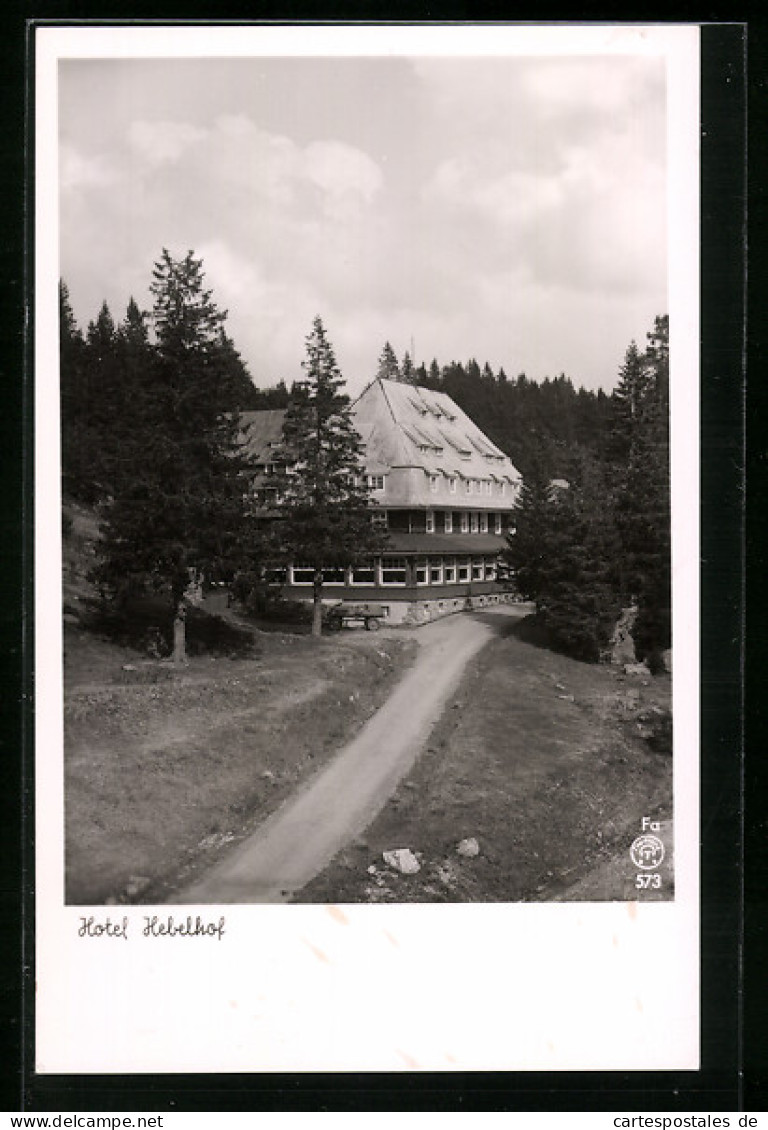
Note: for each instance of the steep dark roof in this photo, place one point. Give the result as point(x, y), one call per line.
point(262, 433)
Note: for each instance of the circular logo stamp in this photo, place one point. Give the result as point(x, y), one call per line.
point(647, 852)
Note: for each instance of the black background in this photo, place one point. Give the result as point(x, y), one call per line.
point(734, 913)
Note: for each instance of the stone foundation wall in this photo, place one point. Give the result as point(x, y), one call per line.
point(415, 612)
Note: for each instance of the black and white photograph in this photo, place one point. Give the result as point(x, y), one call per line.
point(371, 367)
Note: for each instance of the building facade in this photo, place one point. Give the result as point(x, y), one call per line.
point(443, 492)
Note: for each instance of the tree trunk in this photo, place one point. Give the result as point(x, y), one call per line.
point(180, 635)
point(317, 605)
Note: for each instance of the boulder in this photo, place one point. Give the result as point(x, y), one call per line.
point(468, 847)
point(402, 860)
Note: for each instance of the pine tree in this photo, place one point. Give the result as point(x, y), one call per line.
point(564, 554)
point(73, 400)
point(101, 420)
point(325, 518)
point(388, 368)
point(407, 371)
point(176, 514)
point(527, 543)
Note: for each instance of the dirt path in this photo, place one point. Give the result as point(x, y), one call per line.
point(298, 841)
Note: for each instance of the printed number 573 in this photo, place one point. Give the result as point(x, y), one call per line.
point(646, 882)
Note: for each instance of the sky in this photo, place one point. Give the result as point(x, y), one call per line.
point(510, 209)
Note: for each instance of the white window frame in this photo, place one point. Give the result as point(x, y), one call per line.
point(372, 570)
point(429, 521)
point(377, 482)
point(294, 569)
point(474, 522)
point(392, 568)
point(483, 522)
point(434, 483)
point(478, 565)
point(449, 564)
point(468, 486)
point(421, 566)
point(448, 521)
point(452, 484)
point(464, 563)
point(436, 565)
point(498, 528)
point(343, 581)
point(465, 521)
point(490, 569)
point(379, 519)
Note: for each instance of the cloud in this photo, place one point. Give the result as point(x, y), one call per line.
point(79, 171)
point(163, 142)
point(342, 171)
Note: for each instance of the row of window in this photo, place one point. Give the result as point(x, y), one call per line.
point(447, 521)
point(471, 486)
point(394, 571)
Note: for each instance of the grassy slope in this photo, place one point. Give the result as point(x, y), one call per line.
point(162, 775)
point(538, 757)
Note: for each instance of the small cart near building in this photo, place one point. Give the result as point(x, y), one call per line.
point(346, 615)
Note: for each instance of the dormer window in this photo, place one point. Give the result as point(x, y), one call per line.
point(452, 484)
point(434, 482)
point(376, 482)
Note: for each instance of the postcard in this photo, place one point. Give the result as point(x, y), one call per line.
point(367, 472)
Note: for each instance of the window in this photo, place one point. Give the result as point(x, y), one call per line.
point(421, 570)
point(364, 573)
point(434, 481)
point(376, 482)
point(502, 488)
point(488, 486)
point(497, 528)
point(393, 571)
point(490, 569)
point(302, 575)
point(483, 523)
point(276, 576)
point(464, 522)
point(335, 576)
point(468, 486)
point(473, 525)
point(379, 519)
point(477, 569)
point(435, 571)
point(452, 484)
point(449, 570)
point(463, 568)
point(448, 522)
point(430, 522)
